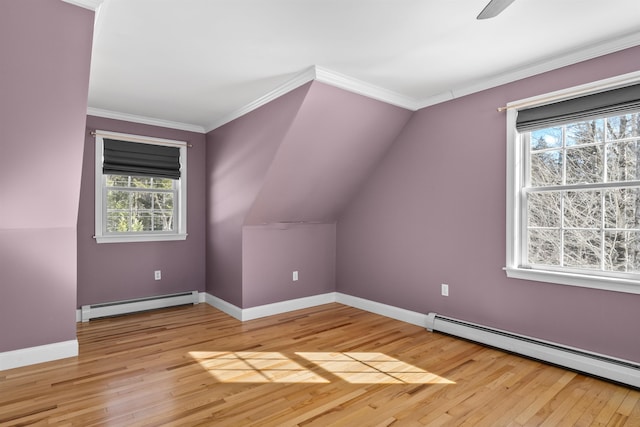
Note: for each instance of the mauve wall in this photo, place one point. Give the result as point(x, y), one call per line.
point(434, 212)
point(119, 271)
point(238, 157)
point(335, 141)
point(46, 52)
point(289, 169)
point(271, 253)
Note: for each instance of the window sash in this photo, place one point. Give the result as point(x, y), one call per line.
point(517, 191)
point(132, 190)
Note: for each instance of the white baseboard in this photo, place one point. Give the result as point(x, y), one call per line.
point(222, 305)
point(251, 313)
point(38, 354)
point(407, 316)
point(286, 306)
point(268, 309)
point(415, 318)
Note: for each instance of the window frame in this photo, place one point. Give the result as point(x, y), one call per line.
point(180, 221)
point(516, 197)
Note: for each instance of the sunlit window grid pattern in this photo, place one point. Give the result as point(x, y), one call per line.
point(582, 196)
point(312, 367)
point(139, 204)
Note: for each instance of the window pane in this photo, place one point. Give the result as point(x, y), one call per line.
point(163, 220)
point(622, 208)
point(164, 183)
point(546, 138)
point(582, 209)
point(118, 221)
point(117, 181)
point(141, 181)
point(118, 199)
point(622, 161)
point(622, 251)
point(584, 164)
point(143, 201)
point(546, 168)
point(163, 201)
point(544, 247)
point(585, 132)
point(582, 249)
point(624, 126)
point(544, 209)
point(151, 183)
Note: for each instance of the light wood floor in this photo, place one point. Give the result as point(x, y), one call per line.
point(324, 366)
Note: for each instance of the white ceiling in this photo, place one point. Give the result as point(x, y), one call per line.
point(196, 64)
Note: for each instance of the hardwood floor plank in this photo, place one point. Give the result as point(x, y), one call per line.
point(330, 365)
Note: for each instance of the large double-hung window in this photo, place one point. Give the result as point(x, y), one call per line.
point(574, 188)
point(140, 188)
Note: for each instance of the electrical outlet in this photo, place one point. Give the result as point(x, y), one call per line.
point(157, 274)
point(444, 290)
point(295, 276)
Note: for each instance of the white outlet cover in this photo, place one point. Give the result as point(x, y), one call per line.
point(445, 290)
point(157, 274)
point(295, 276)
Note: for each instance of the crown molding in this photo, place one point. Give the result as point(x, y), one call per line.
point(363, 88)
point(295, 82)
point(322, 75)
point(107, 114)
point(580, 55)
point(87, 4)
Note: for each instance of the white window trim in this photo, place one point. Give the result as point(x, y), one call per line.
point(515, 203)
point(180, 233)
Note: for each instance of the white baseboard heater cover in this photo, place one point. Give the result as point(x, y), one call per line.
point(602, 366)
point(141, 304)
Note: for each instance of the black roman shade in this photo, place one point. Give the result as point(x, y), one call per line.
point(132, 158)
point(609, 103)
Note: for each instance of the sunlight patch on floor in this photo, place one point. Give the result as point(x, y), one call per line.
point(275, 367)
point(254, 367)
point(372, 368)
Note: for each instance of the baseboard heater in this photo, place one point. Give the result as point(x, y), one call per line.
point(134, 305)
point(602, 366)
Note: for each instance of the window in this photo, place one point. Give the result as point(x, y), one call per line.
point(140, 188)
point(574, 188)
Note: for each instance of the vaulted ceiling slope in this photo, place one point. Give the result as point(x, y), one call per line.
point(201, 63)
point(299, 158)
point(335, 141)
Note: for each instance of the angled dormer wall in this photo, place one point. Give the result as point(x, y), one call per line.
point(278, 179)
point(238, 157)
point(46, 53)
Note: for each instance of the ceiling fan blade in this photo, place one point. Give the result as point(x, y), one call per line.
point(494, 8)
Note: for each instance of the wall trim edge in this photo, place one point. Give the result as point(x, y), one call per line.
point(38, 354)
point(407, 316)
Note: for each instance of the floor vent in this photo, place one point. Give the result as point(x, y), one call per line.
point(618, 370)
point(141, 304)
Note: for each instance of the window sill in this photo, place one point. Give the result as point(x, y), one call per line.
point(130, 238)
point(573, 279)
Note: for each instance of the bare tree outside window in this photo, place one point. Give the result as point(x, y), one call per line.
point(583, 195)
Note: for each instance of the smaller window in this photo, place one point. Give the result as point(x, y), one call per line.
point(140, 188)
